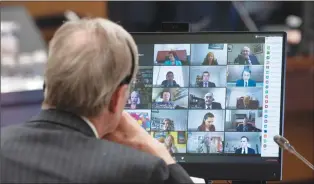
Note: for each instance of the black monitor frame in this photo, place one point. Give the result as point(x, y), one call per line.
point(261, 171)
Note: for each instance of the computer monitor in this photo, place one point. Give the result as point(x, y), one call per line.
point(214, 99)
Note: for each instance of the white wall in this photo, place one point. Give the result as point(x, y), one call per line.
point(233, 140)
point(219, 94)
point(169, 47)
point(200, 51)
point(237, 49)
point(218, 74)
point(179, 117)
point(234, 93)
point(180, 73)
point(196, 118)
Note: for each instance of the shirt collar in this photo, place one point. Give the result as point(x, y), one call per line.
point(91, 125)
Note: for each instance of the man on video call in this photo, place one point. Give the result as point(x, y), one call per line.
point(245, 58)
point(244, 147)
point(207, 145)
point(82, 134)
point(205, 83)
point(209, 102)
point(169, 82)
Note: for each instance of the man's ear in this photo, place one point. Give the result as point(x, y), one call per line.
point(118, 99)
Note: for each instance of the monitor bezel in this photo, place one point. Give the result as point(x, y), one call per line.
point(271, 171)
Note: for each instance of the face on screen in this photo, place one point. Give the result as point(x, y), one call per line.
point(134, 97)
point(246, 75)
point(205, 76)
point(246, 52)
point(169, 76)
point(209, 99)
point(166, 96)
point(244, 142)
point(171, 57)
point(209, 121)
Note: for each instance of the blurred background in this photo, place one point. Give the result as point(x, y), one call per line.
point(27, 27)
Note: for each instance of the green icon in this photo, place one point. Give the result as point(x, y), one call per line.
point(268, 52)
point(268, 47)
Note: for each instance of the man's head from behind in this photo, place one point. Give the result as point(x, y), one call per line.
point(88, 70)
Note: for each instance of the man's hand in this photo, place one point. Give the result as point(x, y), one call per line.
point(130, 133)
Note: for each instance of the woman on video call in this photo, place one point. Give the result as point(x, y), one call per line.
point(210, 59)
point(169, 143)
point(173, 59)
point(208, 123)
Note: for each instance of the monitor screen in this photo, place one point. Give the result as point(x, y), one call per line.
point(212, 97)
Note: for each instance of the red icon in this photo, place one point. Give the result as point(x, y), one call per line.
point(266, 96)
point(266, 101)
point(266, 106)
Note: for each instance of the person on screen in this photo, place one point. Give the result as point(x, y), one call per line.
point(246, 81)
point(138, 82)
point(210, 59)
point(166, 102)
point(245, 58)
point(168, 125)
point(244, 147)
point(245, 126)
point(209, 102)
point(244, 102)
point(205, 83)
point(169, 82)
point(172, 61)
point(207, 145)
point(170, 144)
point(134, 101)
point(208, 123)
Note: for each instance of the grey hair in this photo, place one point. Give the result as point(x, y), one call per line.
point(87, 60)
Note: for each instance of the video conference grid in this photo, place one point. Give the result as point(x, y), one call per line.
point(209, 107)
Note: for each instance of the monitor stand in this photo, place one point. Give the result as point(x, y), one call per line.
point(240, 182)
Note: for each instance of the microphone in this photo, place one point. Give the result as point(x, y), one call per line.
point(284, 144)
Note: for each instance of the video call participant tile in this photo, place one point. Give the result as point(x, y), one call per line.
point(139, 98)
point(170, 98)
point(246, 54)
point(245, 76)
point(244, 121)
point(207, 98)
point(143, 117)
point(171, 76)
point(208, 76)
point(146, 54)
point(175, 142)
point(243, 143)
point(205, 142)
point(172, 54)
point(208, 54)
point(206, 120)
point(165, 120)
point(244, 98)
point(144, 77)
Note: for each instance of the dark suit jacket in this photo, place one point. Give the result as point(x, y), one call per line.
point(215, 105)
point(210, 84)
point(250, 151)
point(242, 61)
point(165, 84)
point(251, 83)
point(59, 147)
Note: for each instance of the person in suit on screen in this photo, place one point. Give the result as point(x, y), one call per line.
point(245, 150)
point(209, 102)
point(82, 134)
point(205, 83)
point(246, 58)
point(169, 82)
point(207, 145)
point(246, 81)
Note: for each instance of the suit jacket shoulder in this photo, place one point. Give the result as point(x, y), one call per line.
point(56, 149)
